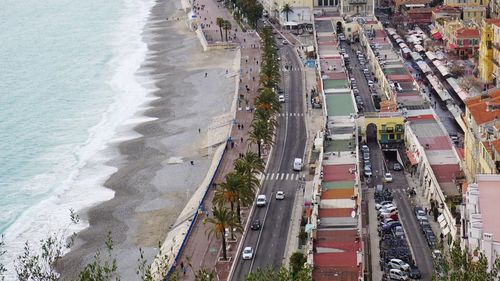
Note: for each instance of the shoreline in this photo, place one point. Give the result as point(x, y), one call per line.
point(137, 215)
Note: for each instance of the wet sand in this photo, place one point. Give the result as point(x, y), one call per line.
point(155, 178)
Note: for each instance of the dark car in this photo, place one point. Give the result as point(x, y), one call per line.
point(255, 225)
point(414, 273)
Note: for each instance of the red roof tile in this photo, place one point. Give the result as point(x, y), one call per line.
point(421, 117)
point(435, 143)
point(346, 193)
point(478, 107)
point(336, 235)
point(446, 172)
point(467, 33)
point(341, 259)
point(338, 172)
point(334, 273)
point(335, 212)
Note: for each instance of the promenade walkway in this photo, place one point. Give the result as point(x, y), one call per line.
point(201, 250)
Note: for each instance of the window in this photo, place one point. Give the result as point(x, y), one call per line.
point(391, 136)
point(348, 29)
point(383, 128)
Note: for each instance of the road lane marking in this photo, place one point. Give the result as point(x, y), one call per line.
point(287, 175)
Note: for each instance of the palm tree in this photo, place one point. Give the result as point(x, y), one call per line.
point(222, 219)
point(249, 167)
point(261, 134)
point(227, 26)
point(267, 100)
point(228, 190)
point(220, 22)
point(287, 9)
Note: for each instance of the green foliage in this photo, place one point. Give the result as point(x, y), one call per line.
point(297, 262)
point(101, 268)
point(287, 9)
point(222, 218)
point(459, 265)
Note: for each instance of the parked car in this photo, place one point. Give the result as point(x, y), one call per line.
point(396, 167)
point(247, 253)
point(281, 98)
point(368, 171)
point(396, 274)
point(365, 148)
point(398, 231)
point(255, 225)
point(366, 156)
point(378, 206)
point(280, 195)
point(398, 264)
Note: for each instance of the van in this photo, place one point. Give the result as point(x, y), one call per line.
point(297, 164)
point(261, 200)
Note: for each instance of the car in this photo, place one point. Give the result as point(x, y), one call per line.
point(396, 274)
point(279, 59)
point(436, 254)
point(368, 171)
point(415, 273)
point(247, 253)
point(388, 209)
point(396, 167)
point(398, 264)
point(365, 148)
point(398, 231)
point(280, 195)
point(366, 156)
point(261, 200)
point(281, 98)
point(255, 225)
point(284, 42)
point(387, 177)
point(382, 204)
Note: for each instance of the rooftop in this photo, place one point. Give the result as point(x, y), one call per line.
point(478, 107)
point(467, 33)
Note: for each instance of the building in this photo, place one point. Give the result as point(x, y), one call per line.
point(465, 3)
point(496, 55)
point(473, 13)
point(346, 7)
point(486, 49)
point(419, 15)
point(482, 137)
point(447, 13)
point(464, 42)
point(494, 8)
point(480, 224)
point(409, 4)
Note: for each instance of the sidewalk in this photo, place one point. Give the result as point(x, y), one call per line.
point(202, 251)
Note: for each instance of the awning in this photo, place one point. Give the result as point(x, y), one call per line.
point(443, 69)
point(424, 67)
point(446, 231)
point(411, 157)
point(437, 36)
point(415, 56)
point(419, 48)
point(406, 50)
point(430, 55)
point(452, 46)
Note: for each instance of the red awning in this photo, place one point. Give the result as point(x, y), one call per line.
point(452, 46)
point(437, 36)
point(411, 157)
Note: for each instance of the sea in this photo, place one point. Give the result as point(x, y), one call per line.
point(68, 94)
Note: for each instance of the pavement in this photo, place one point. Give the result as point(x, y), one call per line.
point(203, 251)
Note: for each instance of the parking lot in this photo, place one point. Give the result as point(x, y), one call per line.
point(399, 249)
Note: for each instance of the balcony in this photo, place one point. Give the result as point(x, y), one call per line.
point(357, 2)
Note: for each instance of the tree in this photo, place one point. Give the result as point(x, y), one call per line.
point(261, 134)
point(226, 26)
point(287, 9)
point(222, 218)
point(267, 100)
point(220, 23)
point(457, 70)
point(228, 190)
point(297, 262)
point(460, 265)
point(99, 268)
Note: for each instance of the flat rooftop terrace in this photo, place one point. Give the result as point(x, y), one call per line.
point(339, 105)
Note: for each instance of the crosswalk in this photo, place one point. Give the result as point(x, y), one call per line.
point(284, 69)
point(290, 114)
point(283, 176)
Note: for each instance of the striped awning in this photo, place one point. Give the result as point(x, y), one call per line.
point(411, 157)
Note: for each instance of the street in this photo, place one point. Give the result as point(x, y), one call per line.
point(269, 242)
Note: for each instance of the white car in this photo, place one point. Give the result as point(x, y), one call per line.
point(280, 195)
point(387, 177)
point(398, 264)
point(383, 204)
point(281, 98)
point(261, 200)
point(396, 274)
point(247, 253)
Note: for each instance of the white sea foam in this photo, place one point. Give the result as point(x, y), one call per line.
point(83, 187)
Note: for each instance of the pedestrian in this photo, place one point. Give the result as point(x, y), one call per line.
point(184, 271)
point(232, 144)
point(239, 126)
point(241, 139)
point(182, 265)
point(257, 62)
point(206, 74)
point(226, 71)
point(253, 78)
point(246, 61)
point(199, 130)
point(242, 126)
point(192, 162)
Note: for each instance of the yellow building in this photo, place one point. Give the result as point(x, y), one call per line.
point(465, 3)
point(450, 27)
point(390, 126)
point(482, 137)
point(496, 55)
point(473, 13)
point(486, 52)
